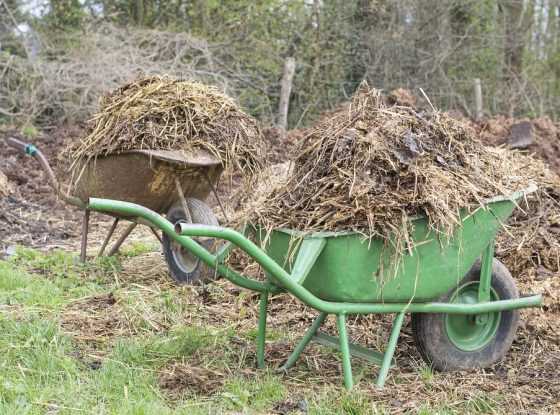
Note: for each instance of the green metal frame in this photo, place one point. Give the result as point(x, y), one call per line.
point(293, 284)
point(486, 273)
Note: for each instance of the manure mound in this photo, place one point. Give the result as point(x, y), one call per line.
point(160, 113)
point(531, 246)
point(371, 167)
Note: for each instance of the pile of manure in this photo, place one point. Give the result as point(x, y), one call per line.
point(160, 113)
point(372, 167)
point(530, 246)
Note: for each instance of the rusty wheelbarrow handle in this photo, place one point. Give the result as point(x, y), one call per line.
point(21, 146)
point(33, 151)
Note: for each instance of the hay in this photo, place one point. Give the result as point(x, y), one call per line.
point(180, 378)
point(95, 320)
point(531, 246)
point(371, 167)
point(160, 113)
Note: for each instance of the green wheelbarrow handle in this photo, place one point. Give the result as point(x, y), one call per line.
point(184, 233)
point(137, 211)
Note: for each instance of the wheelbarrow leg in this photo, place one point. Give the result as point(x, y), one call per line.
point(261, 334)
point(156, 235)
point(307, 337)
point(388, 355)
point(85, 230)
point(120, 241)
point(345, 349)
point(486, 274)
point(108, 237)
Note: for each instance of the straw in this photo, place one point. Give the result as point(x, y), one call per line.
point(161, 113)
point(372, 167)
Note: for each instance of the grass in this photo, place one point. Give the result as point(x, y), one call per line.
point(96, 339)
point(137, 248)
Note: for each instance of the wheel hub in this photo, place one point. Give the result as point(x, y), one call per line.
point(184, 259)
point(471, 332)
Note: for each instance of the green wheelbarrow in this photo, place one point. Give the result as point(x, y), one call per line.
point(464, 303)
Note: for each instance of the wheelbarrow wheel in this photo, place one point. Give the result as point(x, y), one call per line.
point(184, 267)
point(455, 342)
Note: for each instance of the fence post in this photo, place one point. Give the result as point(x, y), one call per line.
point(477, 99)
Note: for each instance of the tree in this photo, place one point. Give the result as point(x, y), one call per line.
point(65, 14)
point(517, 19)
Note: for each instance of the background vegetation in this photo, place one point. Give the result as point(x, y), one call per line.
point(57, 56)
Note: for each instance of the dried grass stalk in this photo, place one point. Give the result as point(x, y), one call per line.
point(5, 187)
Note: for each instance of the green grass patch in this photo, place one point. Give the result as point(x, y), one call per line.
point(334, 401)
point(137, 248)
point(20, 287)
point(155, 350)
point(256, 393)
point(35, 366)
point(46, 367)
point(50, 280)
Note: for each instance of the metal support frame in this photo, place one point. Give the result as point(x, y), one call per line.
point(85, 231)
point(348, 349)
point(345, 350)
point(156, 235)
point(122, 238)
point(307, 337)
point(183, 200)
point(355, 349)
point(485, 282)
point(261, 334)
point(108, 237)
point(216, 194)
point(390, 351)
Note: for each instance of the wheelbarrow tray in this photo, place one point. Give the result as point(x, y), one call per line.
point(353, 269)
point(147, 177)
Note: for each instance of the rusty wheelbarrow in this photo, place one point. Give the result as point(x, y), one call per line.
point(173, 183)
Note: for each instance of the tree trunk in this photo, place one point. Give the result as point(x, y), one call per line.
point(517, 21)
point(138, 12)
point(285, 91)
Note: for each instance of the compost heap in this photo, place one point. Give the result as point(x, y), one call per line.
point(160, 113)
point(372, 167)
point(531, 246)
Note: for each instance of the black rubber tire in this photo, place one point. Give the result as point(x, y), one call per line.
point(430, 335)
point(176, 258)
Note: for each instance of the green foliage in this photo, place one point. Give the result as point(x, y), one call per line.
point(59, 263)
point(62, 276)
point(65, 14)
point(30, 131)
point(154, 351)
point(437, 45)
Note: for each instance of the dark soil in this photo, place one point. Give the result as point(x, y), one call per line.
point(31, 214)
